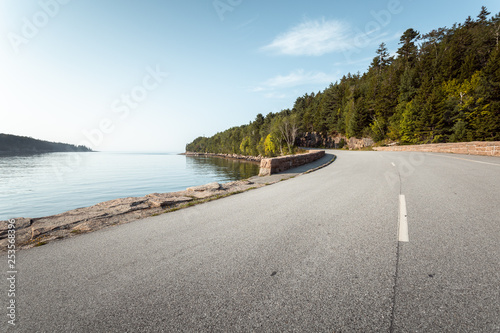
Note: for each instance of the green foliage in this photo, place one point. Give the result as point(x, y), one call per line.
point(408, 49)
point(341, 144)
point(441, 86)
point(245, 146)
point(270, 147)
point(408, 129)
point(459, 132)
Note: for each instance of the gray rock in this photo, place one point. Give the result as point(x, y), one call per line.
point(165, 199)
point(113, 212)
point(208, 187)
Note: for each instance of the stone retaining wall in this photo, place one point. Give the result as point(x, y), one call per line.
point(256, 159)
point(269, 166)
point(489, 148)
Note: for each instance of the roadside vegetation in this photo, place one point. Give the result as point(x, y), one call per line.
point(441, 86)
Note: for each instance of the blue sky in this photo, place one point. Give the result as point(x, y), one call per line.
point(153, 75)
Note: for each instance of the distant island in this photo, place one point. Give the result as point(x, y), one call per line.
point(13, 144)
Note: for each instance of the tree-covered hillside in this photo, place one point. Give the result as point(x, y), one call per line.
point(13, 144)
point(442, 86)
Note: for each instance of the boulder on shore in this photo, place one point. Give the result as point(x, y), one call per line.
point(208, 187)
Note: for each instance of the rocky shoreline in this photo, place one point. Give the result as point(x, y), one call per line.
point(255, 159)
point(31, 232)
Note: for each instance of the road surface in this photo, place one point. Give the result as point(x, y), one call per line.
point(375, 242)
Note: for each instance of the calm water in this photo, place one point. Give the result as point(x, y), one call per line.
point(47, 184)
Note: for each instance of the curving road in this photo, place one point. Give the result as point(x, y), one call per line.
point(329, 251)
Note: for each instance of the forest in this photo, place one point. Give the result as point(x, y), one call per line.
point(441, 86)
point(13, 144)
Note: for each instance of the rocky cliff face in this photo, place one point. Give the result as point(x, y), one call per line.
point(315, 140)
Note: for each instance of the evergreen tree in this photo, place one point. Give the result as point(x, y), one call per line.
point(408, 49)
point(483, 15)
point(448, 89)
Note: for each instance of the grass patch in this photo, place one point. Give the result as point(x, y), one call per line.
point(40, 244)
point(301, 151)
point(200, 201)
point(171, 210)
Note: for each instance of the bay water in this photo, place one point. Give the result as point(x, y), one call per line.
point(48, 184)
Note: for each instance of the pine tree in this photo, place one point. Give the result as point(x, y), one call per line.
point(483, 15)
point(382, 59)
point(408, 50)
point(448, 89)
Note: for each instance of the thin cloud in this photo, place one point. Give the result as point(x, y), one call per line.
point(354, 62)
point(275, 95)
point(258, 89)
point(313, 38)
point(276, 86)
point(298, 78)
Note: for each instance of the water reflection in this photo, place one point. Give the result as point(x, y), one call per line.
point(46, 184)
point(231, 169)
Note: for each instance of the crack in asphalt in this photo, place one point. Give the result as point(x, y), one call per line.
point(396, 273)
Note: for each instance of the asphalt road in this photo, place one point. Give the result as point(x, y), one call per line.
point(317, 253)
